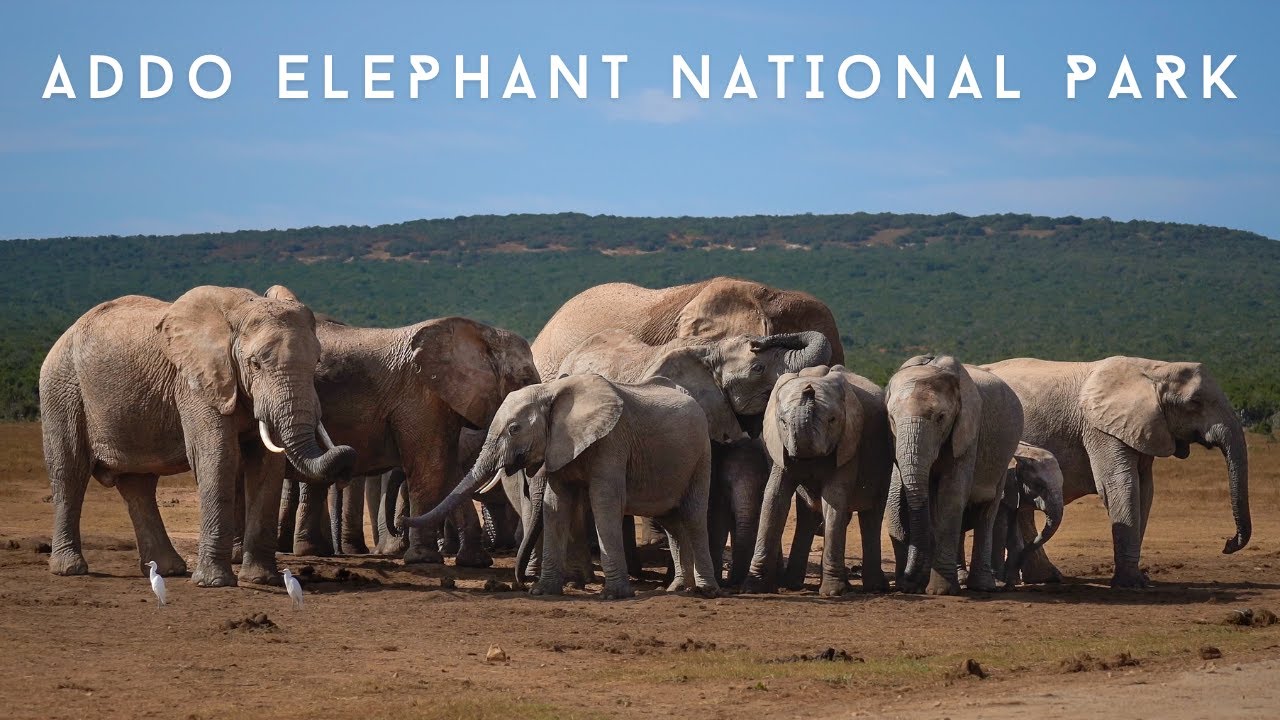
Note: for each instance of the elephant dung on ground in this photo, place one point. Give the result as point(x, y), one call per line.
point(826, 428)
point(624, 450)
point(1106, 421)
point(138, 388)
point(954, 428)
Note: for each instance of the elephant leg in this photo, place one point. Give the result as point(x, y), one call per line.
point(390, 543)
point(557, 517)
point(807, 521)
point(720, 513)
point(429, 476)
point(869, 524)
point(335, 500)
point(1036, 566)
point(948, 521)
point(288, 519)
point(835, 525)
point(373, 506)
point(352, 529)
point(690, 551)
point(634, 568)
point(1115, 470)
point(578, 568)
point(450, 540)
point(213, 451)
point(263, 476)
point(1000, 544)
point(896, 513)
point(69, 470)
point(1014, 561)
point(750, 474)
point(607, 493)
point(313, 536)
point(237, 544)
point(981, 574)
point(1146, 486)
point(763, 573)
point(139, 493)
point(471, 552)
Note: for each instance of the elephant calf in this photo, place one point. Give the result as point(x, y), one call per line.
point(625, 449)
point(1033, 481)
point(825, 428)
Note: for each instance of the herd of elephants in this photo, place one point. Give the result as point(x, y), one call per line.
point(704, 410)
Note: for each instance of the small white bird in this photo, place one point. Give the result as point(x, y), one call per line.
point(294, 587)
point(157, 583)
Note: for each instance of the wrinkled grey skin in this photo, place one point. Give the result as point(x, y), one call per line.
point(624, 450)
point(826, 429)
point(401, 397)
point(1033, 481)
point(138, 388)
point(729, 378)
point(955, 428)
point(1106, 421)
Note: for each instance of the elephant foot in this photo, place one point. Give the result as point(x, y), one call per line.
point(1038, 570)
point(168, 566)
point(260, 575)
point(707, 590)
point(68, 562)
point(422, 555)
point(832, 587)
point(351, 547)
point(874, 581)
point(617, 591)
point(449, 545)
point(237, 553)
point(1130, 579)
point(543, 587)
point(473, 557)
point(940, 585)
point(312, 549)
point(755, 584)
point(394, 546)
point(579, 579)
point(981, 582)
point(211, 575)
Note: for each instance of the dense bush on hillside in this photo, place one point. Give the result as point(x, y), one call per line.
point(983, 288)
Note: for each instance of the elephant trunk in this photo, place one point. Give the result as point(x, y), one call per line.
point(315, 463)
point(483, 471)
point(1051, 506)
point(1230, 439)
point(805, 349)
point(532, 525)
point(914, 465)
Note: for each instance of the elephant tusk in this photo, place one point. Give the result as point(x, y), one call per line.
point(265, 434)
point(493, 482)
point(324, 436)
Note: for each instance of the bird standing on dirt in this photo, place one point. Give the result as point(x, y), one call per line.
point(157, 583)
point(294, 587)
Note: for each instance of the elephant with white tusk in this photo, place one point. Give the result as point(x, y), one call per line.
point(955, 428)
point(1106, 421)
point(138, 388)
point(624, 450)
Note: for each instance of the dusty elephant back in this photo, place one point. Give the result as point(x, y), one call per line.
point(711, 309)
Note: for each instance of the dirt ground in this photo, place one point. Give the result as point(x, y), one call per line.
point(379, 640)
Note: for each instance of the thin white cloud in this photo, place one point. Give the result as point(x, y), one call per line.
point(652, 105)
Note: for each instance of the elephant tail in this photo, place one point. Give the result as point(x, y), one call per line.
point(390, 499)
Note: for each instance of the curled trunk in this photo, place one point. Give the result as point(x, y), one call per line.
point(805, 349)
point(1230, 440)
point(316, 464)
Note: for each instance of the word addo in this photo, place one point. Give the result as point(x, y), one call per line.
point(208, 76)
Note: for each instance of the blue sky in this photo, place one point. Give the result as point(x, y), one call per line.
point(250, 160)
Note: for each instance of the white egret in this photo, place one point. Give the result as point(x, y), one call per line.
point(294, 587)
point(157, 583)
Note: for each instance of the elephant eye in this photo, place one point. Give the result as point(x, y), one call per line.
point(757, 368)
point(513, 428)
point(255, 363)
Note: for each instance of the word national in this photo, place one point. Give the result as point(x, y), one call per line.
point(808, 77)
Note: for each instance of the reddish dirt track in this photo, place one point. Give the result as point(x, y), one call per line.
point(380, 640)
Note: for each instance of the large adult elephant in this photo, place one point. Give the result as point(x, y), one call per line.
point(1106, 421)
point(401, 396)
point(138, 388)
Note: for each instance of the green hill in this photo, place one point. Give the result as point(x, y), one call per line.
point(982, 288)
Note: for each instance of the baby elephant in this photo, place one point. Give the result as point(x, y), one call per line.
point(826, 429)
point(1033, 481)
point(625, 449)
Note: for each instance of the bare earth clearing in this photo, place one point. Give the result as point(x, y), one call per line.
point(379, 640)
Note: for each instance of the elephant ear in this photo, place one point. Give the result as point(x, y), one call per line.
point(198, 338)
point(685, 367)
point(964, 431)
point(1121, 399)
point(470, 366)
point(723, 307)
point(584, 408)
point(772, 439)
point(280, 292)
point(851, 435)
